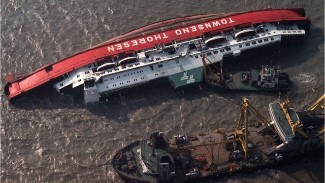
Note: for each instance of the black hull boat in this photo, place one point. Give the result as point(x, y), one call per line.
point(285, 137)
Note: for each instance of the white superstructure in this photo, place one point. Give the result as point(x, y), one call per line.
point(165, 60)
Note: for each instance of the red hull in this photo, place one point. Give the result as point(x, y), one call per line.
point(140, 39)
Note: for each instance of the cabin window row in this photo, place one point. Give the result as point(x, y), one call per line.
point(121, 83)
point(293, 31)
point(125, 75)
point(215, 52)
point(258, 41)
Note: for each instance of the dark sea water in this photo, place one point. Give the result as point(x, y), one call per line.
point(55, 139)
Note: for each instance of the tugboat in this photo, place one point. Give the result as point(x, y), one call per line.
point(169, 49)
point(189, 158)
point(269, 78)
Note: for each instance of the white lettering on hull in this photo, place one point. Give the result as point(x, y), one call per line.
point(177, 32)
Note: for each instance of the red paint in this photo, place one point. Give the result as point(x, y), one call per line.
point(89, 56)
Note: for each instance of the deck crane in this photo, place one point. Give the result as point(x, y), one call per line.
point(319, 104)
point(242, 124)
point(241, 134)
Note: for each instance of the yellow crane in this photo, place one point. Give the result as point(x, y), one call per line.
point(241, 133)
point(242, 124)
point(319, 104)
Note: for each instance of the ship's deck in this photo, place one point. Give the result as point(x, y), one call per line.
point(219, 158)
point(237, 84)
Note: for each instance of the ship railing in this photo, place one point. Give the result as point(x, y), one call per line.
point(245, 33)
point(269, 34)
point(142, 64)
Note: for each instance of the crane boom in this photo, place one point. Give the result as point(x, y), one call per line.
point(319, 104)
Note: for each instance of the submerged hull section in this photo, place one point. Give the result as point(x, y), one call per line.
point(141, 52)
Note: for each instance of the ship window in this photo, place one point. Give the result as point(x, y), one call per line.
point(254, 42)
point(265, 40)
point(240, 46)
point(247, 44)
point(137, 64)
point(215, 52)
point(222, 50)
point(87, 72)
point(196, 56)
point(61, 84)
point(79, 80)
point(209, 53)
point(116, 69)
point(78, 75)
point(158, 58)
point(272, 38)
point(150, 60)
point(130, 66)
point(89, 66)
point(160, 65)
point(257, 35)
point(259, 41)
point(228, 48)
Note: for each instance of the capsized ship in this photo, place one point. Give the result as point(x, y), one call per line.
point(189, 158)
point(173, 48)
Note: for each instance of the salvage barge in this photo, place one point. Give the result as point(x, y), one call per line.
point(169, 49)
point(189, 158)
